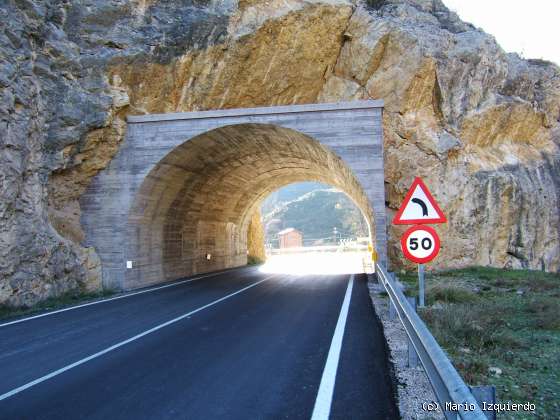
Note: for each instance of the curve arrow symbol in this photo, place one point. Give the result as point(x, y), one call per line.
point(421, 204)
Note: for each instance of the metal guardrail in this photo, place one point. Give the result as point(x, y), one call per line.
point(450, 389)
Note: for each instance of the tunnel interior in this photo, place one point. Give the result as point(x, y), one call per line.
point(199, 199)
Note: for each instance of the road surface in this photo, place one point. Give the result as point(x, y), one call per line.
point(240, 344)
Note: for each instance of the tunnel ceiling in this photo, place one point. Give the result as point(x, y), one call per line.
point(199, 199)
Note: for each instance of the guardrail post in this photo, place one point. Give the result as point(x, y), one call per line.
point(485, 394)
point(392, 309)
point(412, 355)
point(392, 312)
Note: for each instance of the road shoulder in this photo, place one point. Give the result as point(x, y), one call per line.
point(413, 387)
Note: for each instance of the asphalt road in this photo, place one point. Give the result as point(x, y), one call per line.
point(236, 345)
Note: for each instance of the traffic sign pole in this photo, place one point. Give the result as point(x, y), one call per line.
point(421, 285)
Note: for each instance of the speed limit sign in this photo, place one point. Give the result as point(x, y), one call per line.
point(420, 244)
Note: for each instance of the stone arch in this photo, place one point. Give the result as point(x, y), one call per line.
point(199, 199)
point(186, 185)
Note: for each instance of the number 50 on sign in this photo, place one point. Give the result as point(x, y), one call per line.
point(420, 244)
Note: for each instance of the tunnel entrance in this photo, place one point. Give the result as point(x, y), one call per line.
point(178, 197)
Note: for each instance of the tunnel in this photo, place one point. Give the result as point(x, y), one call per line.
point(192, 212)
point(178, 196)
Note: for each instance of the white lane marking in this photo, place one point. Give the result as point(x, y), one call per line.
point(122, 343)
point(153, 289)
point(323, 403)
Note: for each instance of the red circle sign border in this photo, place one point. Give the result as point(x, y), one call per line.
point(411, 257)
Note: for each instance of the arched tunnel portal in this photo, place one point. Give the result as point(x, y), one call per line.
point(186, 185)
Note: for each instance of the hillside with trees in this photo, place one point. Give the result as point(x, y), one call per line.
point(314, 209)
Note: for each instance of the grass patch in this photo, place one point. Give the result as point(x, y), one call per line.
point(449, 293)
point(50, 304)
point(252, 260)
point(507, 319)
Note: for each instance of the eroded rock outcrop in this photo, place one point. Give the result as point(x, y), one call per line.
point(481, 126)
point(255, 239)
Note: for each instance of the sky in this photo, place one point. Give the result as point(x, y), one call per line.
point(530, 28)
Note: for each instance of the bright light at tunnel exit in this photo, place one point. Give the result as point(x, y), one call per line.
point(306, 263)
point(323, 231)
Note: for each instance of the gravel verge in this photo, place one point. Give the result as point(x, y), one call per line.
point(413, 387)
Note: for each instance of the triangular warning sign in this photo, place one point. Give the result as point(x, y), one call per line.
point(419, 207)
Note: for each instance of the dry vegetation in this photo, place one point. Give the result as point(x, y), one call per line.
point(68, 299)
point(499, 327)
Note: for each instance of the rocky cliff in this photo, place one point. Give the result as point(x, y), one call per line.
point(255, 240)
point(481, 126)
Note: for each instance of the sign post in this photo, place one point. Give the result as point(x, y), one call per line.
point(421, 285)
point(420, 244)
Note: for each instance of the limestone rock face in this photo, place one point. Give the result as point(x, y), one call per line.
point(481, 126)
point(255, 239)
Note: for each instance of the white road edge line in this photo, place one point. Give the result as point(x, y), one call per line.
point(153, 289)
point(322, 408)
point(122, 343)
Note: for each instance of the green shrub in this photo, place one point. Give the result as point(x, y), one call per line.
point(544, 311)
point(449, 293)
point(252, 260)
point(473, 369)
point(479, 327)
point(543, 284)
